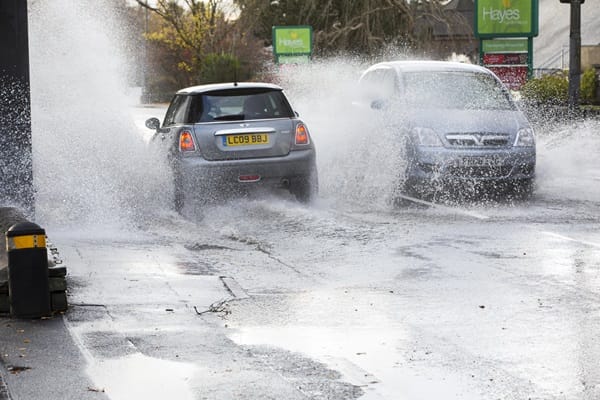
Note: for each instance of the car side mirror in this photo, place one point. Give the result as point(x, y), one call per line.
point(378, 104)
point(153, 123)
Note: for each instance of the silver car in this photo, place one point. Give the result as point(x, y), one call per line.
point(236, 136)
point(459, 123)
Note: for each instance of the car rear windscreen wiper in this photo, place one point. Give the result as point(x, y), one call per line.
point(229, 117)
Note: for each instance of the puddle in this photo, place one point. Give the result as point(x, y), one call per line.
point(140, 377)
point(368, 358)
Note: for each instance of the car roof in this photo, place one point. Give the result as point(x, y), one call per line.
point(411, 66)
point(227, 86)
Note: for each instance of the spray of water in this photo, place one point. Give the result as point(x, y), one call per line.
point(90, 162)
point(15, 144)
point(359, 160)
point(568, 166)
point(91, 165)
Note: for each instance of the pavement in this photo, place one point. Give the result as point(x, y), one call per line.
point(40, 360)
point(38, 356)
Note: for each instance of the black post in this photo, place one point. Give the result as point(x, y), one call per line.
point(16, 175)
point(575, 54)
point(28, 283)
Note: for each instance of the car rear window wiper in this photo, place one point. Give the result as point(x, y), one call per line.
point(229, 117)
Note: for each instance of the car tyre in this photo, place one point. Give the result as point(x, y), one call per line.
point(305, 189)
point(178, 194)
point(405, 188)
point(178, 201)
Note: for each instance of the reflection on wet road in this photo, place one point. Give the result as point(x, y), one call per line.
point(351, 297)
point(464, 301)
point(431, 302)
point(348, 299)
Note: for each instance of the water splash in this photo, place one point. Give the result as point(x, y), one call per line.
point(568, 165)
point(15, 144)
point(90, 164)
point(359, 161)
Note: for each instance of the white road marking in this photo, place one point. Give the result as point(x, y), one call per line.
point(445, 208)
point(563, 237)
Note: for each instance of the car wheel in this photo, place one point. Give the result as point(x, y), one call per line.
point(409, 188)
point(405, 188)
point(305, 189)
point(178, 200)
point(178, 194)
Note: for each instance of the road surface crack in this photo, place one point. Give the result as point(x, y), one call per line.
point(263, 248)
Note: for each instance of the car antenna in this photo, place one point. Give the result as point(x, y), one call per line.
point(235, 82)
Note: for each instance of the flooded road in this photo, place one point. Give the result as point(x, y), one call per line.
point(351, 297)
point(264, 298)
point(340, 301)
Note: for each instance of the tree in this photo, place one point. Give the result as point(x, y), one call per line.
point(361, 26)
point(184, 28)
point(196, 42)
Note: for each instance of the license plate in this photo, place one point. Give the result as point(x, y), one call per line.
point(479, 162)
point(245, 140)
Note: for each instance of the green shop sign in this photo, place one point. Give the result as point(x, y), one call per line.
point(292, 40)
point(506, 18)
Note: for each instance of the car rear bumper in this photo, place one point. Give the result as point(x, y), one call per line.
point(193, 173)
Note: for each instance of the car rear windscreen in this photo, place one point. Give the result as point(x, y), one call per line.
point(228, 105)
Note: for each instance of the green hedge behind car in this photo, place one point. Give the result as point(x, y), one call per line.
point(554, 89)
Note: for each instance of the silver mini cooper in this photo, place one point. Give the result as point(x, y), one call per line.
point(236, 136)
point(459, 122)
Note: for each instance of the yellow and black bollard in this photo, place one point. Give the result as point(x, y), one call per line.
point(28, 288)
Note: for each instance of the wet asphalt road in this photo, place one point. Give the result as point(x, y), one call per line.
point(347, 299)
point(264, 298)
point(459, 301)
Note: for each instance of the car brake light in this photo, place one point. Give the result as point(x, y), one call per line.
point(301, 134)
point(186, 141)
point(249, 178)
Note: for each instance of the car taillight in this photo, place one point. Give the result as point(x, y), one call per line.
point(301, 134)
point(186, 141)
